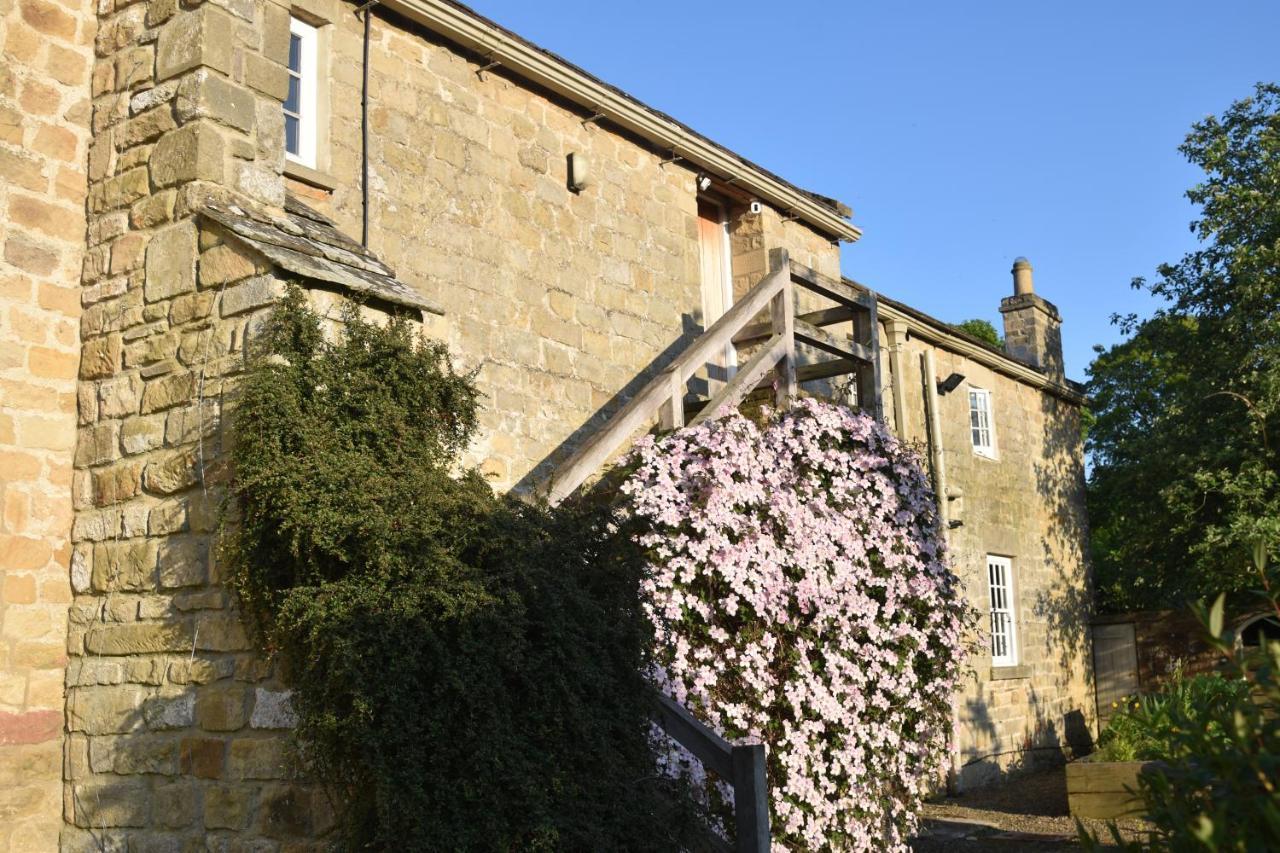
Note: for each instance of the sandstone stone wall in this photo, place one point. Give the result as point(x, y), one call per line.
point(176, 728)
point(1026, 504)
point(44, 136)
point(566, 302)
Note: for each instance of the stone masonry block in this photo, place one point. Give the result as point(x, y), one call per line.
point(258, 758)
point(174, 805)
point(170, 712)
point(105, 709)
point(193, 152)
point(202, 757)
point(138, 638)
point(268, 77)
point(183, 562)
point(205, 94)
point(223, 264)
point(255, 293)
point(100, 357)
point(227, 807)
point(273, 709)
point(275, 33)
point(171, 262)
point(194, 38)
point(123, 565)
point(173, 472)
point(222, 707)
point(110, 804)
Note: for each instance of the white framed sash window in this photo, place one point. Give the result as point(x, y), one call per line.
point(1004, 621)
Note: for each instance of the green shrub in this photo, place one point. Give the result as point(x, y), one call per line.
point(466, 668)
point(1146, 728)
point(1219, 789)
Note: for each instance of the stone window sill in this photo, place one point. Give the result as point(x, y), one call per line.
point(309, 176)
point(1006, 673)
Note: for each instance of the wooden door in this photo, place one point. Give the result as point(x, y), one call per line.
point(717, 280)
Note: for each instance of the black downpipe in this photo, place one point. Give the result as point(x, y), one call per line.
point(367, 9)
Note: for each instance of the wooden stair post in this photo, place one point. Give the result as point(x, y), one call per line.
point(774, 361)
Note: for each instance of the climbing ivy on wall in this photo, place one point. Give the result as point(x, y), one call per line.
point(467, 669)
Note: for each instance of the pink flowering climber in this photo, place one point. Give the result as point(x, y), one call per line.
point(799, 593)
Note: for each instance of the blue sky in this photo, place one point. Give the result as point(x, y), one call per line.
point(962, 134)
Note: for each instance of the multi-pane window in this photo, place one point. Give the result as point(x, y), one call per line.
point(1004, 626)
point(300, 104)
point(981, 429)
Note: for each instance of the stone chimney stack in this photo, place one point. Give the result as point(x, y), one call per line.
point(1032, 325)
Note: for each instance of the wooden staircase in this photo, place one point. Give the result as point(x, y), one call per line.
point(772, 363)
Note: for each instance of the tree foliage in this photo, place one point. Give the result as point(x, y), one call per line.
point(1186, 476)
point(983, 331)
point(466, 668)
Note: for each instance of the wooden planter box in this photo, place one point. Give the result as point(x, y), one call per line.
point(1101, 789)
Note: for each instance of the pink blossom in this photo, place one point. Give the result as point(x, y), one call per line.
point(799, 593)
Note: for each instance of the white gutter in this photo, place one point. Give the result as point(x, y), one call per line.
point(975, 352)
point(464, 27)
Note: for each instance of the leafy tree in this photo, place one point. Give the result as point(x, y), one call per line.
point(1186, 476)
point(983, 331)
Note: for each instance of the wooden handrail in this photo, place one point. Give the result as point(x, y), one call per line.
point(664, 395)
point(643, 406)
point(740, 764)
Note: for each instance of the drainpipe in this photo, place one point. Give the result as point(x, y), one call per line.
point(367, 10)
point(896, 332)
point(937, 460)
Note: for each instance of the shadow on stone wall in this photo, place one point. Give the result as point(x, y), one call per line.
point(536, 478)
point(1051, 739)
point(1066, 606)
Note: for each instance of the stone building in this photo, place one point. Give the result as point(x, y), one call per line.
point(167, 166)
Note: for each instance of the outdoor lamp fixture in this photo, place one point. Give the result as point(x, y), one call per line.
point(951, 383)
point(579, 172)
point(704, 182)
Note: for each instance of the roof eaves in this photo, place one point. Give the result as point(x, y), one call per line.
point(463, 26)
point(946, 335)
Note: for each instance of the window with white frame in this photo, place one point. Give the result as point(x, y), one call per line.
point(1004, 623)
point(982, 429)
point(301, 126)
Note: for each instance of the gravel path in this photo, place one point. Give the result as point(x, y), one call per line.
point(1027, 813)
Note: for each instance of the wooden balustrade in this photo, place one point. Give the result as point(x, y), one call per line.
point(740, 764)
point(773, 363)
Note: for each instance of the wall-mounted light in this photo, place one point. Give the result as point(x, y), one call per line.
point(579, 172)
point(951, 383)
point(704, 182)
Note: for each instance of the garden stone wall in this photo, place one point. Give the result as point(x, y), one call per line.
point(44, 136)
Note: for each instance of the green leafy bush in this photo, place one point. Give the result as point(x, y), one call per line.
point(1219, 789)
point(1146, 728)
point(466, 668)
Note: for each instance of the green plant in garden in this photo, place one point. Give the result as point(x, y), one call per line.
point(466, 668)
point(1146, 727)
point(1218, 789)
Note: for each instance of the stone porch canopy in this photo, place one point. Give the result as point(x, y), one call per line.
point(306, 243)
